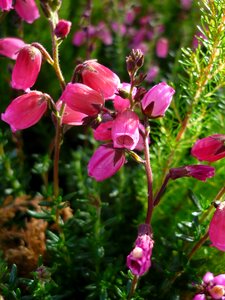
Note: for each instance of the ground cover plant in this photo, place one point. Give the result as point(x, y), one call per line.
point(112, 149)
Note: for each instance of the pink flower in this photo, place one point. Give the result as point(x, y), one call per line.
point(139, 260)
point(208, 277)
point(5, 4)
point(157, 100)
point(217, 228)
point(27, 68)
point(25, 110)
point(121, 104)
point(27, 10)
point(152, 73)
point(62, 28)
point(10, 46)
point(99, 78)
point(217, 291)
point(70, 116)
point(79, 38)
point(162, 48)
point(211, 148)
point(219, 279)
point(103, 131)
point(200, 172)
point(125, 130)
point(199, 297)
point(105, 162)
point(82, 98)
point(103, 33)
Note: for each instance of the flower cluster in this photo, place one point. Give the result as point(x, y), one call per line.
point(212, 287)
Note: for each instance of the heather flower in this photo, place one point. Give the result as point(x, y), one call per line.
point(157, 100)
point(10, 46)
point(27, 68)
point(217, 228)
point(62, 28)
point(139, 260)
point(211, 148)
point(125, 130)
point(5, 5)
point(217, 291)
point(199, 297)
point(99, 78)
point(219, 279)
point(82, 98)
point(152, 73)
point(70, 116)
point(105, 162)
point(208, 277)
point(200, 172)
point(79, 38)
point(25, 110)
point(103, 131)
point(162, 47)
point(27, 10)
point(120, 103)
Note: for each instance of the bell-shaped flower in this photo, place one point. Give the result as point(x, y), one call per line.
point(82, 98)
point(208, 277)
point(27, 10)
point(25, 110)
point(217, 228)
point(211, 148)
point(99, 78)
point(200, 172)
point(219, 279)
point(139, 260)
point(122, 103)
point(162, 47)
point(5, 5)
point(70, 116)
point(105, 162)
point(27, 68)
point(125, 130)
point(62, 28)
point(157, 100)
point(10, 46)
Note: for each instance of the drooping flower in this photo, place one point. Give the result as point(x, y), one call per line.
point(62, 28)
point(25, 111)
point(99, 78)
point(211, 148)
point(27, 68)
point(5, 5)
point(157, 100)
point(82, 98)
point(10, 46)
point(104, 131)
point(217, 228)
point(27, 10)
point(105, 162)
point(139, 260)
point(162, 47)
point(217, 292)
point(200, 172)
point(125, 130)
point(70, 116)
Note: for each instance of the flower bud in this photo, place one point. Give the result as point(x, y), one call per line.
point(208, 277)
point(5, 5)
point(217, 228)
point(211, 148)
point(217, 291)
point(200, 172)
point(10, 47)
point(27, 10)
point(27, 68)
point(82, 98)
point(134, 61)
point(157, 100)
point(125, 130)
point(99, 78)
point(139, 260)
point(25, 110)
point(105, 162)
point(162, 48)
point(62, 29)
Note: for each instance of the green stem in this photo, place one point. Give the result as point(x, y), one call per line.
point(133, 287)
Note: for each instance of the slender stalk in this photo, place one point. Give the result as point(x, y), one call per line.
point(198, 245)
point(133, 287)
point(148, 171)
point(162, 189)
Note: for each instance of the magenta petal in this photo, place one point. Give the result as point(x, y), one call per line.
point(70, 116)
point(105, 162)
point(27, 68)
point(217, 228)
point(10, 47)
point(103, 131)
point(25, 111)
point(5, 5)
point(27, 10)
